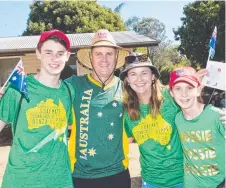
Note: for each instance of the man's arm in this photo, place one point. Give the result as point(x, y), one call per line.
point(2, 125)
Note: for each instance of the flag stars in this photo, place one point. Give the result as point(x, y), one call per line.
point(99, 114)
point(92, 152)
point(14, 78)
point(110, 136)
point(112, 124)
point(114, 104)
point(120, 115)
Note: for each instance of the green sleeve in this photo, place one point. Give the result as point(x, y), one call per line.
point(73, 91)
point(9, 104)
point(73, 81)
point(128, 130)
point(220, 125)
point(221, 128)
point(169, 99)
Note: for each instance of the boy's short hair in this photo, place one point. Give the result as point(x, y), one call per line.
point(184, 74)
point(57, 36)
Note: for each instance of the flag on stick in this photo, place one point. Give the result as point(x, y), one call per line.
point(18, 79)
point(212, 43)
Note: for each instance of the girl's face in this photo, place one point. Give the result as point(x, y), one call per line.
point(185, 94)
point(140, 80)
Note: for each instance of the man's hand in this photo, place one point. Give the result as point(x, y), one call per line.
point(1, 94)
point(201, 73)
point(2, 125)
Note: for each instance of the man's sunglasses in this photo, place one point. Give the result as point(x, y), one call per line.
point(139, 58)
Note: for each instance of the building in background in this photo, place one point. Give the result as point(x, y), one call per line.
point(12, 49)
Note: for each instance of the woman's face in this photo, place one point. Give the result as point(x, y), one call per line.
point(140, 80)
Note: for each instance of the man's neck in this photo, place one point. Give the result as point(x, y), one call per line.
point(105, 80)
point(48, 80)
point(193, 112)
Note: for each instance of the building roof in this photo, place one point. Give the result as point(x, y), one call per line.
point(26, 44)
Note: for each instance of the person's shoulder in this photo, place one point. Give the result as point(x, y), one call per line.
point(213, 110)
point(74, 79)
point(179, 116)
point(165, 92)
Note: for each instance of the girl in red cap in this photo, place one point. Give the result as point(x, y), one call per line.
point(201, 132)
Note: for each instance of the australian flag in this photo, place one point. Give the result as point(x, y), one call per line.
point(212, 43)
point(18, 78)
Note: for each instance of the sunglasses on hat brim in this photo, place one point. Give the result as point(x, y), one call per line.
point(139, 58)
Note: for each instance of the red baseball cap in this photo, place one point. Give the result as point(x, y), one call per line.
point(45, 35)
point(184, 74)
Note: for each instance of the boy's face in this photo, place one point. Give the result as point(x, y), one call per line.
point(185, 94)
point(53, 57)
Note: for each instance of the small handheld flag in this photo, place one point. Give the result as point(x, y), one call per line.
point(212, 43)
point(18, 78)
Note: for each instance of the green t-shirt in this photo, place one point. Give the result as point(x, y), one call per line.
point(161, 156)
point(203, 144)
point(38, 157)
point(99, 149)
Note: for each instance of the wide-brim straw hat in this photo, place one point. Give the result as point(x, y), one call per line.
point(102, 38)
point(135, 60)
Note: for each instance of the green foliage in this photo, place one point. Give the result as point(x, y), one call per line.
point(171, 60)
point(197, 26)
point(166, 56)
point(71, 17)
point(150, 27)
point(167, 59)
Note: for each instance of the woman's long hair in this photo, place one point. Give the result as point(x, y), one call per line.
point(131, 100)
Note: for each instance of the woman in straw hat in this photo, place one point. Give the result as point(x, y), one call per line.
point(98, 145)
point(150, 120)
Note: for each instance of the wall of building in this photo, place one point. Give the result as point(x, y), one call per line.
point(6, 68)
point(31, 63)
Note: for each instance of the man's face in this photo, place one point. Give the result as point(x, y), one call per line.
point(103, 61)
point(53, 57)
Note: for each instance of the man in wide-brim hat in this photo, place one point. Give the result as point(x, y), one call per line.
point(98, 145)
point(88, 56)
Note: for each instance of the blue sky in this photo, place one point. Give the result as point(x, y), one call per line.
point(14, 14)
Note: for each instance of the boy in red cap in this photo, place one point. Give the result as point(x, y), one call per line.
point(39, 156)
point(201, 132)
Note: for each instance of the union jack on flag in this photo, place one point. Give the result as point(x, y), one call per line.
point(18, 78)
point(212, 43)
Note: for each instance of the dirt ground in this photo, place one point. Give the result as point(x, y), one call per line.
point(133, 155)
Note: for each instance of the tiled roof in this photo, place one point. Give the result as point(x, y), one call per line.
point(28, 43)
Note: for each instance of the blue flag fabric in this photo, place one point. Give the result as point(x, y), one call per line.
point(212, 43)
point(18, 78)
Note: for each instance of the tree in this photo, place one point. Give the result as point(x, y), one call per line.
point(150, 27)
point(166, 56)
point(197, 26)
point(71, 17)
point(169, 59)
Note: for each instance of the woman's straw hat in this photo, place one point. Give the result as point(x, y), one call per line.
point(101, 38)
